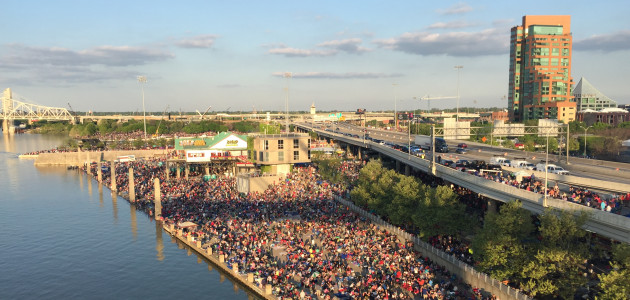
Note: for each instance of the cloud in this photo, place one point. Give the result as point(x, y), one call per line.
point(471, 44)
point(103, 55)
point(618, 41)
point(328, 48)
point(458, 8)
point(330, 75)
point(61, 65)
point(229, 86)
point(294, 52)
point(201, 42)
point(451, 25)
point(347, 45)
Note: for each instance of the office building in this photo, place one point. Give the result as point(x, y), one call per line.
point(540, 70)
point(588, 97)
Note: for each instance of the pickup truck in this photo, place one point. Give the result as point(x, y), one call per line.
point(551, 169)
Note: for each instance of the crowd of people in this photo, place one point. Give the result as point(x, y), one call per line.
point(295, 237)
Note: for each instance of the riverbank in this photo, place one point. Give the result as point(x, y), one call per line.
point(204, 250)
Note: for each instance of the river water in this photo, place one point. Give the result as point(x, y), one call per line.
point(65, 237)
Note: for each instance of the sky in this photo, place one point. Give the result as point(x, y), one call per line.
point(342, 55)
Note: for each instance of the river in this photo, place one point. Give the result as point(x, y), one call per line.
point(65, 237)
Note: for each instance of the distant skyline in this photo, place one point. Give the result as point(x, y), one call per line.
point(342, 55)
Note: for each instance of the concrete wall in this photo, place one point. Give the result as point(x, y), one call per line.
point(246, 183)
point(79, 158)
point(578, 181)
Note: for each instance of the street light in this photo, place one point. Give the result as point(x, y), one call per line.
point(546, 171)
point(142, 80)
point(395, 107)
point(585, 129)
point(458, 68)
point(288, 76)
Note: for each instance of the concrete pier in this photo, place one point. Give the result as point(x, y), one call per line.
point(132, 186)
point(158, 200)
point(99, 172)
point(112, 170)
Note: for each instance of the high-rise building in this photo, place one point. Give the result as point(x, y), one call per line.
point(540, 70)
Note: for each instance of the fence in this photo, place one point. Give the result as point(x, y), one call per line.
point(461, 269)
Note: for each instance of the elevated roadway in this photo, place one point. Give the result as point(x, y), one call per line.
point(610, 225)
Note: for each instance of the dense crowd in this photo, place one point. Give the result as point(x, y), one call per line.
point(295, 237)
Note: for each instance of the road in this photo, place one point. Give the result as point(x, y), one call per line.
point(594, 169)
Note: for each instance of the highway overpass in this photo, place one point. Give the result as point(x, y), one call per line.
point(607, 224)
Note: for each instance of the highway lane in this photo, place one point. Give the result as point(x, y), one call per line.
point(608, 171)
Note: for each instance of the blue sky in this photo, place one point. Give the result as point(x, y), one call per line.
point(343, 55)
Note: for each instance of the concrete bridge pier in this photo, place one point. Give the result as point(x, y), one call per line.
point(113, 177)
point(168, 171)
point(5, 126)
point(158, 199)
point(178, 176)
point(132, 186)
point(492, 206)
point(99, 172)
point(398, 166)
point(407, 170)
point(187, 171)
point(207, 170)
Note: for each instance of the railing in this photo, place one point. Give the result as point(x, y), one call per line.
point(465, 271)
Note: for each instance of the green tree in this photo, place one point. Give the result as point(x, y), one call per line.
point(555, 268)
point(499, 246)
point(616, 283)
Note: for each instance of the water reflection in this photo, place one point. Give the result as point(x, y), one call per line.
point(115, 207)
point(134, 222)
point(159, 243)
point(9, 144)
point(100, 195)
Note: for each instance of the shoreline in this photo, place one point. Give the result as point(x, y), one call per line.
point(213, 259)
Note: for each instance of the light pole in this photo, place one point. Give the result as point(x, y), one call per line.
point(585, 129)
point(546, 171)
point(458, 68)
point(395, 106)
point(142, 80)
point(288, 76)
point(457, 115)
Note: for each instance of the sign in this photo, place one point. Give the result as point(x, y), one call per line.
point(232, 142)
point(197, 155)
point(191, 143)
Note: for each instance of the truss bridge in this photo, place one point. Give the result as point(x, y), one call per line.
point(12, 109)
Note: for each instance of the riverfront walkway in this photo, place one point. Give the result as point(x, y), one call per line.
point(296, 238)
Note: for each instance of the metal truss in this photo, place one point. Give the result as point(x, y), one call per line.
point(14, 109)
point(503, 131)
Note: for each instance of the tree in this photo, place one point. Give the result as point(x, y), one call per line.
point(616, 283)
point(500, 246)
point(555, 269)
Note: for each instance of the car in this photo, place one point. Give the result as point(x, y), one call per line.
point(463, 162)
point(519, 146)
point(461, 150)
point(448, 162)
point(462, 145)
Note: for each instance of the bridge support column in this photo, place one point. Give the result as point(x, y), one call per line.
point(359, 154)
point(187, 171)
point(99, 172)
point(207, 170)
point(178, 172)
point(407, 170)
point(112, 170)
point(492, 206)
point(132, 186)
point(158, 199)
point(398, 166)
point(5, 126)
point(168, 171)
